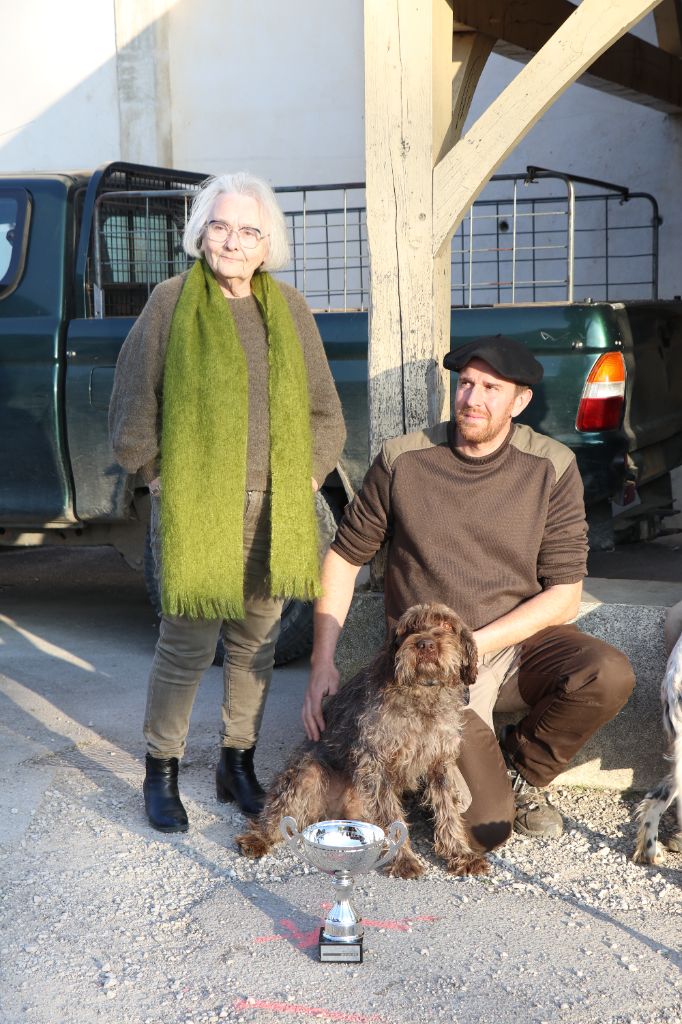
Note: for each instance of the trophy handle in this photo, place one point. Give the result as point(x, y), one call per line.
point(290, 833)
point(396, 834)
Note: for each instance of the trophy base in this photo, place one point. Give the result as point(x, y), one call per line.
point(332, 951)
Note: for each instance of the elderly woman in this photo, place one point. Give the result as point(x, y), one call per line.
point(224, 404)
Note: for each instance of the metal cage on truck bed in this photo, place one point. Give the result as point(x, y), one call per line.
point(538, 237)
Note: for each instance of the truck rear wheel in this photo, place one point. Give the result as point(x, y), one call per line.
point(296, 632)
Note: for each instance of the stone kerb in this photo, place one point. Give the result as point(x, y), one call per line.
point(627, 753)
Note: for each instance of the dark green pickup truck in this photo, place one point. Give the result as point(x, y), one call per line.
point(79, 253)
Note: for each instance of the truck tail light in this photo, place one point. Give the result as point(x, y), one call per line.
point(601, 405)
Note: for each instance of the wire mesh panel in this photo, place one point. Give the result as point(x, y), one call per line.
point(511, 250)
point(615, 247)
point(328, 239)
point(551, 237)
point(138, 242)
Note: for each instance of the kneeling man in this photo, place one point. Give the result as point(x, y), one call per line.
point(486, 516)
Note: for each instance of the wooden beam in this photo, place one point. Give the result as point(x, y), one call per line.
point(415, 78)
point(668, 17)
point(463, 173)
point(631, 68)
point(470, 52)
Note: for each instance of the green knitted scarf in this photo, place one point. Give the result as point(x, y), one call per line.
point(203, 454)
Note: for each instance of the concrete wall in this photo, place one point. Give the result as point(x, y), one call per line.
point(58, 85)
point(215, 84)
point(205, 84)
point(276, 88)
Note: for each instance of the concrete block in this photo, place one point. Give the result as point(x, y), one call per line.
point(627, 753)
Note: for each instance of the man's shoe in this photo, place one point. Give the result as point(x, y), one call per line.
point(535, 815)
point(161, 798)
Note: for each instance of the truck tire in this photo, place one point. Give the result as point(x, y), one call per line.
point(296, 631)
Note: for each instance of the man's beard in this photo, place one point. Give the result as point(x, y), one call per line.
point(479, 432)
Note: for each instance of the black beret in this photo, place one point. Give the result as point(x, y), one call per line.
point(509, 358)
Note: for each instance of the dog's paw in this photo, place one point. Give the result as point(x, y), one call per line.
point(405, 867)
point(469, 864)
point(252, 844)
point(646, 857)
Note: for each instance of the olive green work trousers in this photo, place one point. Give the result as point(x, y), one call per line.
point(186, 648)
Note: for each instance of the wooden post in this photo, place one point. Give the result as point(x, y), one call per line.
point(415, 78)
point(463, 173)
point(668, 17)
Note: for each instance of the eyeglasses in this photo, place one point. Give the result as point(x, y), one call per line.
point(249, 238)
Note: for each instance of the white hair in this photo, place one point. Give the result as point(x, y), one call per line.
point(246, 184)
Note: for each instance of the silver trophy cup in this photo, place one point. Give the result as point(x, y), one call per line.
point(343, 849)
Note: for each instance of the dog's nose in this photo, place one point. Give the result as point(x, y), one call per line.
point(426, 645)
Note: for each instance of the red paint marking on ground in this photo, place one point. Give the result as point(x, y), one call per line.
point(308, 1011)
point(304, 940)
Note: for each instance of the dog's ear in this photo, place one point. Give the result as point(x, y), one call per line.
point(394, 635)
point(469, 663)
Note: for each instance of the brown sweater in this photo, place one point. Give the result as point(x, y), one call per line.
point(136, 400)
point(482, 535)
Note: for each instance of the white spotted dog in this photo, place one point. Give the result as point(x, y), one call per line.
point(656, 802)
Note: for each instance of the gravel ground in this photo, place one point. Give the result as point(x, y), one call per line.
point(105, 919)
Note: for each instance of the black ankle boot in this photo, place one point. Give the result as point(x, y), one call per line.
point(236, 780)
point(161, 798)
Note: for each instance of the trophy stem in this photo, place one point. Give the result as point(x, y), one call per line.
point(343, 923)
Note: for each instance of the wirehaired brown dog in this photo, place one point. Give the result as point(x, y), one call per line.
point(394, 729)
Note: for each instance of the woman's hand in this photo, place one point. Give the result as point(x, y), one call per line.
point(316, 486)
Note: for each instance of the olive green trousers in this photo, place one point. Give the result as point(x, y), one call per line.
point(186, 648)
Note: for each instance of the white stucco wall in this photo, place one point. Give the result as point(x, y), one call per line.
point(275, 88)
point(272, 87)
point(58, 85)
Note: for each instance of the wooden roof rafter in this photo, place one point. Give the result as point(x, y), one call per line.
point(668, 17)
point(631, 68)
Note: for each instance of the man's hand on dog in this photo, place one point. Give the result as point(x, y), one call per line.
point(323, 682)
